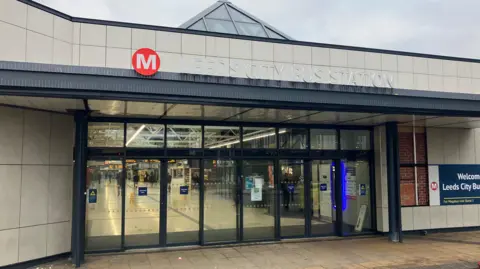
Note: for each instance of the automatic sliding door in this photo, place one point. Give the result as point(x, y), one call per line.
point(142, 203)
point(323, 198)
point(292, 198)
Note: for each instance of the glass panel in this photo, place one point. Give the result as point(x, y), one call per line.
point(145, 135)
point(323, 139)
point(103, 205)
point(183, 201)
point(251, 29)
point(293, 138)
point(258, 137)
point(222, 137)
point(221, 26)
point(239, 17)
point(323, 212)
point(292, 207)
point(357, 212)
point(355, 139)
point(220, 201)
point(199, 26)
point(258, 200)
point(105, 134)
point(142, 203)
point(219, 13)
point(273, 34)
point(184, 136)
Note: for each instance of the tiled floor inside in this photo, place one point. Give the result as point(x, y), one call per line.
point(416, 252)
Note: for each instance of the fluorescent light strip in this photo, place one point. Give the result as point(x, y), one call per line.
point(136, 134)
point(249, 139)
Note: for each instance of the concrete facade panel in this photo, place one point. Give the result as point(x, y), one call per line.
point(10, 193)
point(9, 247)
point(32, 243)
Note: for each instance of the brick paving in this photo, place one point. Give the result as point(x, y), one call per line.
point(425, 252)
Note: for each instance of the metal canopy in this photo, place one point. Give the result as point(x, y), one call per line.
point(225, 17)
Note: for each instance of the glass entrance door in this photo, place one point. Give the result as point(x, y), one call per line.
point(322, 193)
point(292, 198)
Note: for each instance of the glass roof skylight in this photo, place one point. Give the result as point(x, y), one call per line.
point(224, 17)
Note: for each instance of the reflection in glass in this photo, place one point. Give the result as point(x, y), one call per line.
point(239, 17)
point(184, 136)
point(323, 212)
point(199, 26)
point(145, 135)
point(222, 137)
point(357, 213)
point(293, 139)
point(260, 138)
point(221, 26)
point(142, 203)
point(220, 201)
point(292, 208)
point(183, 201)
point(103, 205)
point(323, 139)
point(258, 200)
point(355, 139)
point(251, 29)
point(105, 134)
point(273, 34)
point(220, 13)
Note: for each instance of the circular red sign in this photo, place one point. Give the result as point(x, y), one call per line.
point(146, 62)
point(434, 186)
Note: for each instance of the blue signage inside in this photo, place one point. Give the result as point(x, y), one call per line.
point(92, 196)
point(291, 188)
point(323, 187)
point(183, 190)
point(142, 191)
point(363, 189)
point(459, 184)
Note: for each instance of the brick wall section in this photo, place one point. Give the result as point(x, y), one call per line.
point(407, 174)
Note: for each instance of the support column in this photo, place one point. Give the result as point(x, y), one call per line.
point(393, 183)
point(79, 191)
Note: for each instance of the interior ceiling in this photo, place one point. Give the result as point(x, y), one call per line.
point(115, 108)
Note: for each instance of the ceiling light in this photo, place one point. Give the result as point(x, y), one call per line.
point(136, 134)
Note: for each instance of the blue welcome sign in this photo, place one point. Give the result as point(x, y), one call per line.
point(459, 184)
point(183, 190)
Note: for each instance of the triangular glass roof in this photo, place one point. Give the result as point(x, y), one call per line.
point(224, 17)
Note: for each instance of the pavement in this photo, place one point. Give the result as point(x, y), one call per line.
point(435, 251)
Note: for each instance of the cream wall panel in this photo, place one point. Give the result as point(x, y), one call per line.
point(119, 37)
point(438, 217)
point(11, 132)
point(420, 65)
point(76, 33)
point(92, 56)
point(373, 61)
point(464, 69)
point(10, 191)
point(218, 47)
point(435, 67)
point(62, 52)
point(262, 51)
point(193, 44)
point(58, 238)
point(320, 56)
point(171, 62)
point(39, 48)
point(143, 39)
point(475, 70)
point(435, 146)
point(454, 216)
point(240, 68)
point(407, 218)
point(59, 193)
point(240, 49)
point(389, 62)
point(120, 58)
point(450, 84)
point(466, 141)
point(477, 145)
point(302, 55)
point(13, 12)
point(62, 29)
point(36, 138)
point(61, 140)
point(421, 218)
point(470, 215)
point(34, 197)
point(405, 81)
point(405, 64)
point(93, 35)
point(283, 53)
point(449, 68)
point(170, 42)
point(221, 66)
point(420, 81)
point(76, 54)
point(451, 149)
point(40, 21)
point(9, 246)
point(476, 86)
point(356, 59)
point(435, 83)
point(12, 48)
point(32, 243)
point(338, 58)
point(465, 85)
point(262, 70)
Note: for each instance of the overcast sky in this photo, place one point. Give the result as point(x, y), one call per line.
point(445, 27)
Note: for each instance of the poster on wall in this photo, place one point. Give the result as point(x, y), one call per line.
point(256, 194)
point(454, 184)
